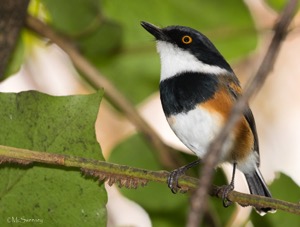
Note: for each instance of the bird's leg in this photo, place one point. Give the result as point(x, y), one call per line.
point(175, 174)
point(228, 188)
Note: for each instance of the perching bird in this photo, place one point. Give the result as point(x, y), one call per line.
point(198, 88)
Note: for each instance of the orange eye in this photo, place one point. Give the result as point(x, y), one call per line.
point(186, 39)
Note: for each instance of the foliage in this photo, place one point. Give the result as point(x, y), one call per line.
point(109, 35)
point(57, 196)
point(114, 41)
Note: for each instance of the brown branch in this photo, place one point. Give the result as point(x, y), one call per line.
point(130, 177)
point(12, 17)
point(114, 95)
point(199, 199)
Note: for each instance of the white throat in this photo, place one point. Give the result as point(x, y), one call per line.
point(175, 60)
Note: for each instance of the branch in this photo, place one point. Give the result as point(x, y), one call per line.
point(131, 177)
point(100, 81)
point(199, 199)
point(12, 16)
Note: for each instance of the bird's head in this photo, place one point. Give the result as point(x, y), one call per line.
point(183, 49)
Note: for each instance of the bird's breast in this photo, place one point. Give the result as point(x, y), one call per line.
point(182, 93)
point(197, 128)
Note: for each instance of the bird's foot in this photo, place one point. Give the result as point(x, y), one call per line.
point(173, 179)
point(175, 174)
point(226, 189)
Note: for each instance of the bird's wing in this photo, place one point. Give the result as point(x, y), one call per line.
point(235, 90)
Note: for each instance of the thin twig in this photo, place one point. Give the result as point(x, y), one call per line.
point(199, 199)
point(129, 176)
point(100, 81)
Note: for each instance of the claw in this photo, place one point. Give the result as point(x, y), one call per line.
point(173, 180)
point(226, 190)
point(175, 174)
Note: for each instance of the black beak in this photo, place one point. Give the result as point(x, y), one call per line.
point(155, 31)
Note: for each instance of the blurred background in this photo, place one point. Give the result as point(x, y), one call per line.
point(108, 34)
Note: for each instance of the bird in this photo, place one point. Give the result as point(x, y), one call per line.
point(198, 89)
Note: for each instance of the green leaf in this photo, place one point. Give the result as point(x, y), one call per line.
point(65, 125)
point(73, 17)
point(83, 20)
point(286, 189)
point(101, 43)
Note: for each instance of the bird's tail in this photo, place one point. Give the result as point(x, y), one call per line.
point(257, 186)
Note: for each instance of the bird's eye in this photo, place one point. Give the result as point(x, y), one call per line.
point(186, 39)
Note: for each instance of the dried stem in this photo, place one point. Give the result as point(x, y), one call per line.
point(199, 199)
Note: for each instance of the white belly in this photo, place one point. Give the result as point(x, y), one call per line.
point(196, 129)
